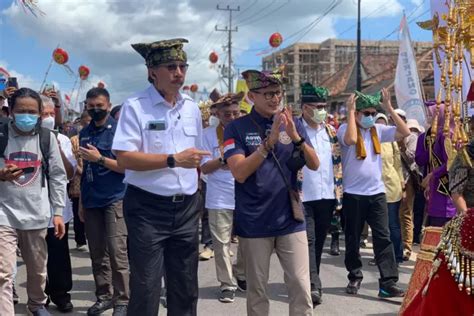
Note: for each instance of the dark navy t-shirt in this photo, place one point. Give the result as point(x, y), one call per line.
point(100, 186)
point(262, 202)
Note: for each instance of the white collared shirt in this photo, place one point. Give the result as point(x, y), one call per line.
point(319, 184)
point(180, 128)
point(220, 183)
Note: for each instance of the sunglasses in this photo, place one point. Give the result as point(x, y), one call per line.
point(316, 106)
point(270, 94)
point(174, 67)
point(369, 113)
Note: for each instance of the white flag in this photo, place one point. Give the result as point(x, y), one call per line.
point(407, 83)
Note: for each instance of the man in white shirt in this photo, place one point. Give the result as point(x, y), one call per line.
point(156, 141)
point(59, 281)
point(322, 189)
point(220, 197)
point(364, 190)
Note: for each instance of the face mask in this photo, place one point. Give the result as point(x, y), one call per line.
point(367, 121)
point(26, 122)
point(319, 116)
point(97, 114)
point(48, 123)
point(213, 121)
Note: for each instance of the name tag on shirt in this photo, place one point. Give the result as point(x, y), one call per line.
point(159, 125)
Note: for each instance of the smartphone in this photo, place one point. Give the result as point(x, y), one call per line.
point(25, 170)
point(12, 82)
point(3, 84)
point(48, 87)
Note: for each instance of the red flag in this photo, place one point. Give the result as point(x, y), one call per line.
point(68, 98)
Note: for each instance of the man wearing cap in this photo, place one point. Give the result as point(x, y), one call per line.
point(265, 150)
point(364, 191)
point(157, 138)
point(220, 200)
point(322, 189)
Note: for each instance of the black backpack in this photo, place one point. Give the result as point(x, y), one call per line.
point(45, 142)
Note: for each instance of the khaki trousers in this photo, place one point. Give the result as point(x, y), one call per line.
point(406, 216)
point(34, 251)
point(220, 224)
point(292, 251)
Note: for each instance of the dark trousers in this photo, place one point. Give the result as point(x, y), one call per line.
point(79, 232)
point(395, 229)
point(373, 210)
point(107, 236)
point(59, 278)
point(163, 236)
point(206, 237)
point(318, 220)
point(418, 216)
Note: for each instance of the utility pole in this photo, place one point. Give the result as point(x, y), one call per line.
point(229, 29)
point(359, 70)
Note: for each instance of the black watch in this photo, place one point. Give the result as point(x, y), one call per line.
point(170, 161)
point(299, 143)
point(223, 161)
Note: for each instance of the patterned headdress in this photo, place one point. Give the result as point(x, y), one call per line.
point(229, 99)
point(161, 52)
point(261, 79)
point(365, 101)
point(311, 94)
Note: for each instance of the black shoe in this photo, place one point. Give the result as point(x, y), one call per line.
point(316, 297)
point(227, 296)
point(363, 243)
point(120, 310)
point(64, 307)
point(391, 291)
point(16, 299)
point(242, 285)
point(99, 307)
point(372, 262)
point(353, 287)
point(335, 246)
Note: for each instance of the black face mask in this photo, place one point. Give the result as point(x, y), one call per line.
point(297, 161)
point(97, 114)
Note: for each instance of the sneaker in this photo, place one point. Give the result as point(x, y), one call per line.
point(227, 296)
point(316, 297)
point(363, 243)
point(406, 255)
point(81, 247)
point(206, 254)
point(64, 307)
point(242, 285)
point(16, 299)
point(42, 311)
point(372, 262)
point(391, 291)
point(99, 307)
point(120, 310)
point(353, 287)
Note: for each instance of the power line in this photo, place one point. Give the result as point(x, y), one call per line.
point(266, 15)
point(383, 6)
point(256, 13)
point(409, 22)
point(246, 9)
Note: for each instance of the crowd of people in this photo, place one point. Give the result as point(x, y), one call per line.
point(135, 180)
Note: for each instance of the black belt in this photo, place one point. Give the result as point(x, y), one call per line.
point(177, 198)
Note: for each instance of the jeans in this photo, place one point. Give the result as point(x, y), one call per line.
point(395, 229)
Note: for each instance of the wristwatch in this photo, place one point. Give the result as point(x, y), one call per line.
point(170, 161)
point(223, 161)
point(299, 143)
point(101, 161)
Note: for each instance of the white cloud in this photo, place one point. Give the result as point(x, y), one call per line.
point(23, 80)
point(99, 32)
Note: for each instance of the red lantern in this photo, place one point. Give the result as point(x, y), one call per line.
point(213, 57)
point(275, 40)
point(84, 72)
point(194, 87)
point(60, 56)
point(185, 88)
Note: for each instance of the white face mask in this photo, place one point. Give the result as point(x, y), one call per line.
point(48, 123)
point(319, 116)
point(213, 121)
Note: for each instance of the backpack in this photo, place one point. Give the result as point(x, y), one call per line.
point(45, 142)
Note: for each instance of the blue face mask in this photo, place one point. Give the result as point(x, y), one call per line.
point(26, 122)
point(367, 121)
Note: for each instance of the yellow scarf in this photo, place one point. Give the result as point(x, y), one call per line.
point(360, 146)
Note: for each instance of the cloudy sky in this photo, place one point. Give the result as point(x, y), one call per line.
point(98, 33)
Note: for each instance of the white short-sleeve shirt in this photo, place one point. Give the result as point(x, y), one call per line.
point(319, 184)
point(364, 177)
point(220, 183)
point(149, 124)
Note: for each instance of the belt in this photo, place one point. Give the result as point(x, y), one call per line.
point(177, 198)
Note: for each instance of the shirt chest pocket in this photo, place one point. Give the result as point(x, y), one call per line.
point(156, 141)
point(190, 132)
